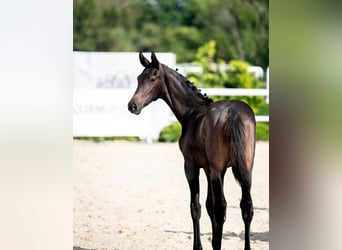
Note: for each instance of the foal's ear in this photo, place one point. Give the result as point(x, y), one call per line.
point(144, 62)
point(154, 63)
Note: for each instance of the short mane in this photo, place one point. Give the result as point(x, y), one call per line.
point(191, 85)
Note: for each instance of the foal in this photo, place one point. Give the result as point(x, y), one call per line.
point(215, 136)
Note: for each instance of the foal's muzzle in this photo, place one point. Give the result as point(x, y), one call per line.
point(133, 108)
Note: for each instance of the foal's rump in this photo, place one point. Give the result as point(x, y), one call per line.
point(231, 138)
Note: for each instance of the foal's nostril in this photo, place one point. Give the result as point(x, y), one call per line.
point(132, 106)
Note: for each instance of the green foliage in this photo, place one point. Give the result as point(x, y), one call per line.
point(262, 131)
point(84, 25)
point(238, 76)
point(181, 26)
point(170, 133)
point(216, 74)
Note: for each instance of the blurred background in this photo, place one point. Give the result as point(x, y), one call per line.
point(240, 28)
point(216, 44)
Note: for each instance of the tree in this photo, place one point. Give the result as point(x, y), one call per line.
point(85, 22)
point(239, 27)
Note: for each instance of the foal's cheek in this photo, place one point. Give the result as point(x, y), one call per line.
point(150, 93)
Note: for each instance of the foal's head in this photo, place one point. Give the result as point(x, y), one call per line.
point(150, 84)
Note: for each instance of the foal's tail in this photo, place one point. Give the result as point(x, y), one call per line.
point(237, 140)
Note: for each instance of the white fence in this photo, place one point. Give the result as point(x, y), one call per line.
point(103, 112)
point(241, 92)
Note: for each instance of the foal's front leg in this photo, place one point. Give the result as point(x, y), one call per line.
point(192, 175)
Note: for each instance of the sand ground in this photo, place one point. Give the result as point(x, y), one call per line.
point(135, 196)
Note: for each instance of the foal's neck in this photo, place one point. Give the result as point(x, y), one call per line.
point(182, 96)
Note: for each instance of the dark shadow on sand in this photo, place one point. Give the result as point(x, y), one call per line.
point(255, 236)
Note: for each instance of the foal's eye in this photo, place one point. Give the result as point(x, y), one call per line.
point(152, 79)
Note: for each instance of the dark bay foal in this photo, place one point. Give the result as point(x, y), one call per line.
point(215, 136)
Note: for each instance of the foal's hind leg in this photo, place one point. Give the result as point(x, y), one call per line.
point(210, 202)
point(219, 207)
point(192, 175)
point(246, 204)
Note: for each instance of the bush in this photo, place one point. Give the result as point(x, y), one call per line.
point(262, 131)
point(219, 74)
point(170, 133)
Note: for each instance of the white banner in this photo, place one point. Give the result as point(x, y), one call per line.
point(103, 112)
point(104, 82)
